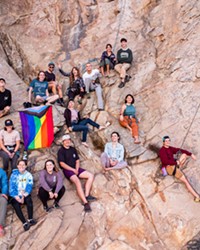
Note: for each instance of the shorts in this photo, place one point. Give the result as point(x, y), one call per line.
point(170, 170)
point(68, 173)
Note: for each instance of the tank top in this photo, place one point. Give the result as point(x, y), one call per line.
point(129, 111)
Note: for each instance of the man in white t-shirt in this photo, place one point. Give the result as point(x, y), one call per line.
point(90, 78)
point(9, 145)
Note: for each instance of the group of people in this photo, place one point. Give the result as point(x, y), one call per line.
point(51, 187)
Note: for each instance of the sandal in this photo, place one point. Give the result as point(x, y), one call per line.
point(197, 199)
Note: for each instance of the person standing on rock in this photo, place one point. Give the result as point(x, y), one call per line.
point(5, 98)
point(113, 155)
point(92, 83)
point(51, 185)
point(124, 60)
point(20, 188)
point(107, 60)
point(173, 159)
point(39, 87)
point(3, 200)
point(128, 117)
point(68, 160)
point(54, 86)
point(9, 145)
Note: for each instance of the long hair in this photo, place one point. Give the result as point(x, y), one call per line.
point(52, 161)
point(41, 71)
point(71, 78)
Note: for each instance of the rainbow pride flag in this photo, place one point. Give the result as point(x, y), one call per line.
point(37, 127)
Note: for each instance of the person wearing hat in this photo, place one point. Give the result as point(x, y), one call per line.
point(9, 144)
point(54, 86)
point(5, 98)
point(68, 160)
point(173, 159)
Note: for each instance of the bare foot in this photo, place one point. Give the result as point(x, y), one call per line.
point(85, 144)
point(137, 142)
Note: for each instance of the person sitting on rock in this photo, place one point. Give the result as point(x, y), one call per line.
point(54, 86)
point(107, 60)
point(68, 160)
point(113, 155)
point(51, 185)
point(3, 200)
point(20, 188)
point(75, 123)
point(77, 86)
point(5, 98)
point(9, 145)
point(124, 60)
point(91, 80)
point(39, 86)
point(128, 117)
point(173, 159)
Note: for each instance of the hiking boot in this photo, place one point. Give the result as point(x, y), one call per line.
point(56, 205)
point(2, 232)
point(46, 208)
point(32, 222)
point(26, 226)
point(91, 198)
point(127, 78)
point(121, 85)
point(87, 207)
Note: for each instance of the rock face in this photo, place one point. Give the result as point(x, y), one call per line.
point(136, 207)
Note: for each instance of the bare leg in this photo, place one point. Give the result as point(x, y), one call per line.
point(182, 160)
point(188, 186)
point(52, 99)
point(102, 71)
point(108, 69)
point(79, 188)
point(59, 88)
point(90, 178)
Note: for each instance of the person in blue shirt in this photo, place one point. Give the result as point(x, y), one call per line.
point(128, 117)
point(3, 200)
point(113, 155)
point(39, 87)
point(20, 188)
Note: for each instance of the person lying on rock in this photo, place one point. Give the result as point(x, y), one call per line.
point(9, 145)
point(20, 188)
point(76, 86)
point(39, 87)
point(107, 60)
point(68, 160)
point(51, 185)
point(3, 200)
point(128, 117)
point(75, 123)
point(53, 85)
point(113, 155)
point(5, 98)
point(173, 159)
point(124, 60)
point(92, 83)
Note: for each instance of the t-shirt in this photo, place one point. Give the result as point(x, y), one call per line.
point(5, 99)
point(68, 156)
point(92, 76)
point(39, 88)
point(50, 76)
point(9, 139)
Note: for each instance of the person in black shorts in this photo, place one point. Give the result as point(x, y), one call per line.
point(68, 160)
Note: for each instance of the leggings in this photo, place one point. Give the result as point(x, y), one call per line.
point(44, 195)
point(17, 206)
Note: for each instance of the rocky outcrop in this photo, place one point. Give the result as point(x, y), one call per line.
point(136, 207)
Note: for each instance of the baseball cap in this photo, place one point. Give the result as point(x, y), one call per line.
point(8, 122)
point(51, 63)
point(66, 137)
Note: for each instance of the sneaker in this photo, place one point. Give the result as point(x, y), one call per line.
point(121, 85)
point(56, 205)
point(101, 109)
point(91, 198)
point(88, 96)
point(32, 222)
point(26, 226)
point(197, 199)
point(47, 209)
point(25, 156)
point(80, 101)
point(2, 232)
point(127, 78)
point(62, 104)
point(87, 207)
